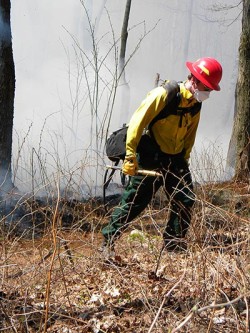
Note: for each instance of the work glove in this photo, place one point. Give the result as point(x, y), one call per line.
point(130, 165)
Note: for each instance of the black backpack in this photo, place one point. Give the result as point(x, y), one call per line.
point(116, 143)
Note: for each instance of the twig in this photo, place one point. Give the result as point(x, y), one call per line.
point(183, 323)
point(5, 315)
point(223, 211)
point(247, 315)
point(67, 250)
point(54, 233)
point(195, 310)
point(157, 79)
point(221, 305)
point(165, 297)
point(233, 309)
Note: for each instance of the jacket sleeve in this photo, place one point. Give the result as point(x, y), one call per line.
point(190, 136)
point(146, 112)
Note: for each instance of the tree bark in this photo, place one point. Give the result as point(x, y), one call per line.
point(124, 36)
point(7, 92)
point(239, 147)
point(125, 92)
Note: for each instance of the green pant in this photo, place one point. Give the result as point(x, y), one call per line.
point(177, 184)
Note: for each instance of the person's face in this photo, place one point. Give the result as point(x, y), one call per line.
point(201, 87)
point(199, 90)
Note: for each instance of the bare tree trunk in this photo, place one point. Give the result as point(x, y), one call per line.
point(124, 36)
point(239, 147)
point(7, 91)
point(125, 86)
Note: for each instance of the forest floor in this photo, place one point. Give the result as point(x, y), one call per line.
point(54, 279)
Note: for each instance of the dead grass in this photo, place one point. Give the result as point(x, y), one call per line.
point(59, 282)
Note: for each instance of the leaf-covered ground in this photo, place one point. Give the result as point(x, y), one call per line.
point(60, 282)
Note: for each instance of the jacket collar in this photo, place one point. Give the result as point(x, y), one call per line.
point(187, 99)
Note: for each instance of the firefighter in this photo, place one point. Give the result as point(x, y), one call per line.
point(174, 137)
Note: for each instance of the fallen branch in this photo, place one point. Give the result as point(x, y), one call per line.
point(48, 287)
point(165, 297)
point(195, 310)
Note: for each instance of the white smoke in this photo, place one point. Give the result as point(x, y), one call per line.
point(52, 106)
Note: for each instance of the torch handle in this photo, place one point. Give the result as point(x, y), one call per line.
point(138, 172)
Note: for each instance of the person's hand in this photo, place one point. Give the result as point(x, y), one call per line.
point(130, 165)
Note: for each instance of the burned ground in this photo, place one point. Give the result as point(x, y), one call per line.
point(54, 279)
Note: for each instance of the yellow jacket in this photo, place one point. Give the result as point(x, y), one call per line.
point(167, 132)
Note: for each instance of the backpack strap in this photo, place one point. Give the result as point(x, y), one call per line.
point(193, 110)
point(172, 106)
point(174, 98)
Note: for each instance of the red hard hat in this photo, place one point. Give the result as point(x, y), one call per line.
point(206, 70)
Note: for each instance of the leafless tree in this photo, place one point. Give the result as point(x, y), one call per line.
point(7, 91)
point(124, 36)
point(239, 147)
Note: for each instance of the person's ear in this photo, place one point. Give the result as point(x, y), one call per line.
point(195, 80)
point(192, 79)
